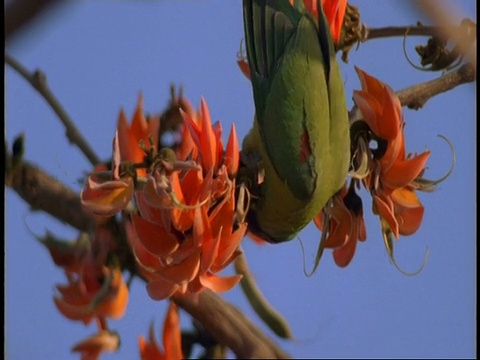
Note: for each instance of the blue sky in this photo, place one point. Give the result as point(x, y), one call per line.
point(99, 55)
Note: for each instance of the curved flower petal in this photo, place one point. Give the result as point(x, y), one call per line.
point(244, 68)
point(144, 258)
point(408, 210)
point(147, 212)
point(183, 271)
point(172, 340)
point(232, 153)
point(160, 288)
point(384, 208)
point(379, 105)
point(205, 138)
point(341, 224)
point(115, 302)
point(344, 255)
point(229, 244)
point(109, 197)
point(76, 312)
point(154, 237)
point(93, 346)
point(129, 150)
point(335, 13)
point(149, 350)
point(403, 172)
point(219, 284)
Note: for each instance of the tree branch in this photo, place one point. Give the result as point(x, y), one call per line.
point(415, 97)
point(230, 326)
point(39, 82)
point(43, 192)
point(462, 35)
point(440, 14)
point(411, 30)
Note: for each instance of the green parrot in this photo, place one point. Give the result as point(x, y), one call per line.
point(301, 127)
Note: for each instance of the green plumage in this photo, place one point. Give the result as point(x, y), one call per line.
point(301, 129)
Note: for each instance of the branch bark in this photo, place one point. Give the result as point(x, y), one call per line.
point(415, 97)
point(230, 326)
point(43, 192)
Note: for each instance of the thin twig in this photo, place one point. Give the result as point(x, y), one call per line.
point(271, 317)
point(39, 82)
point(392, 31)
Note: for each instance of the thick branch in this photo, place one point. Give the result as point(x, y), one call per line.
point(416, 96)
point(230, 326)
point(19, 13)
point(43, 192)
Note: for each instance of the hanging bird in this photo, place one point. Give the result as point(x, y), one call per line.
point(301, 128)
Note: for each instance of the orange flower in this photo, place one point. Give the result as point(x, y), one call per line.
point(106, 195)
point(131, 135)
point(206, 138)
point(401, 209)
point(89, 297)
point(185, 231)
point(95, 291)
point(68, 255)
point(346, 224)
point(172, 261)
point(392, 175)
point(334, 11)
point(150, 350)
point(92, 347)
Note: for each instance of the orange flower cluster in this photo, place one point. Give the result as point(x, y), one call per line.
point(387, 173)
point(150, 350)
point(185, 230)
point(95, 290)
point(391, 179)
